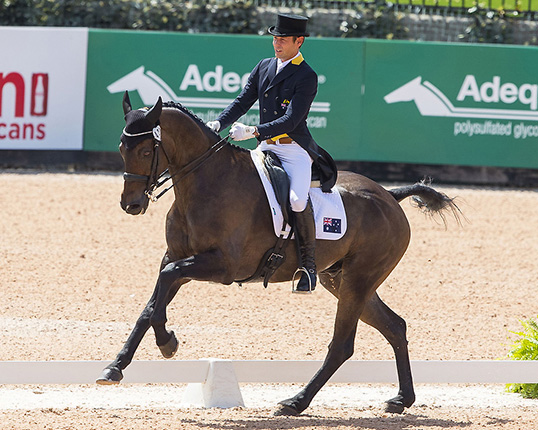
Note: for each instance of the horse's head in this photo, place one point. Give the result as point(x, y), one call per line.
point(131, 81)
point(405, 93)
point(140, 148)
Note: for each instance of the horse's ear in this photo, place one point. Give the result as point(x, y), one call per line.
point(155, 112)
point(126, 103)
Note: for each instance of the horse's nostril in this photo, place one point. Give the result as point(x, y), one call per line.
point(133, 209)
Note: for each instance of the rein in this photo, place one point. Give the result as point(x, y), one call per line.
point(155, 181)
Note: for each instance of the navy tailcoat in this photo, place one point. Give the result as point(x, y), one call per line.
point(284, 102)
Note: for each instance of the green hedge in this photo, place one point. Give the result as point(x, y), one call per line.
point(192, 16)
point(377, 19)
point(196, 16)
point(488, 27)
point(373, 21)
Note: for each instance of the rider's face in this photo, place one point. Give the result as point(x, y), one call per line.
point(287, 47)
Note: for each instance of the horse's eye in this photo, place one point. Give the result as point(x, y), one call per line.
point(146, 153)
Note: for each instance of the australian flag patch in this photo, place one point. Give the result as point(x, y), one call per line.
point(332, 225)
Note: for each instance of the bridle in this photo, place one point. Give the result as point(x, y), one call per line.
point(154, 180)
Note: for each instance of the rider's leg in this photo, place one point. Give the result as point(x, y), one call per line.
point(305, 232)
point(298, 165)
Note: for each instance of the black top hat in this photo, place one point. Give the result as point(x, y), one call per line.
point(289, 25)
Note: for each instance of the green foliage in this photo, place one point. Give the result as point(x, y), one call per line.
point(372, 20)
point(196, 16)
point(525, 348)
point(521, 5)
point(223, 17)
point(488, 27)
point(379, 19)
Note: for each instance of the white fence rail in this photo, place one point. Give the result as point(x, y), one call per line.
point(260, 371)
point(215, 383)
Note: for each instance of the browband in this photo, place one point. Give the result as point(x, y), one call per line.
point(156, 133)
point(136, 134)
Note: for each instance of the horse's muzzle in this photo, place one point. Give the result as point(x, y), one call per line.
point(136, 207)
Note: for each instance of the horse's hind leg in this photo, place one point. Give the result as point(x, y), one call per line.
point(350, 305)
point(377, 314)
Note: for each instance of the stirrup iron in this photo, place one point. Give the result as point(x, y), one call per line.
point(304, 270)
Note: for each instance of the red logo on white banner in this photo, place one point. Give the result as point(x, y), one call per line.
point(35, 105)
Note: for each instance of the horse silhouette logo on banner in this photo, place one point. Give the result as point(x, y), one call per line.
point(430, 101)
point(150, 87)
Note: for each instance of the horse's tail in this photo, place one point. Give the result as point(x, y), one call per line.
point(428, 200)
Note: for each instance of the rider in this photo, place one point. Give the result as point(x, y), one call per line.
point(285, 87)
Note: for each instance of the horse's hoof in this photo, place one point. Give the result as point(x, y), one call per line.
point(394, 406)
point(169, 349)
point(287, 411)
point(110, 376)
point(287, 408)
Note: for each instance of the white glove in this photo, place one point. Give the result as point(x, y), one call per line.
point(241, 131)
point(214, 125)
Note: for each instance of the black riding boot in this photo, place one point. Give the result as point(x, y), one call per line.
point(305, 234)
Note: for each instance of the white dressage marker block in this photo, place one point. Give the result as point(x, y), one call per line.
point(220, 389)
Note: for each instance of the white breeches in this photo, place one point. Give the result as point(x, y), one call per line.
point(298, 165)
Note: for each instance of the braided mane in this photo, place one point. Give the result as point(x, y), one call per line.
point(198, 120)
point(179, 106)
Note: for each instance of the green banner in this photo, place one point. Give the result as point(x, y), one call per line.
point(385, 101)
point(205, 73)
point(439, 103)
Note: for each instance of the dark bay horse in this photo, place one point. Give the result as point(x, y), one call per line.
point(220, 226)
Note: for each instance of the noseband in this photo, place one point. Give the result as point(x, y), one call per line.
point(154, 180)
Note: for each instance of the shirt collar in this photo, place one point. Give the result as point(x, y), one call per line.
point(281, 64)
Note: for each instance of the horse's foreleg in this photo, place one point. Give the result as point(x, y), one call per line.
point(166, 340)
point(112, 374)
point(340, 349)
point(205, 267)
point(393, 328)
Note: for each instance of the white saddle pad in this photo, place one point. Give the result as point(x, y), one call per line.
point(329, 211)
